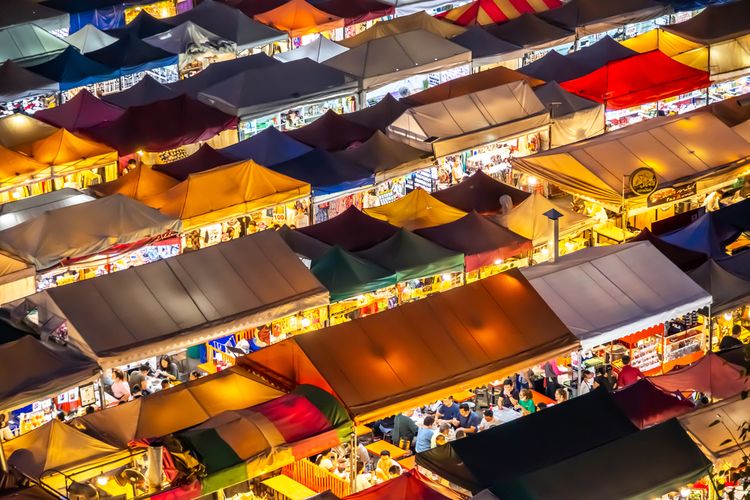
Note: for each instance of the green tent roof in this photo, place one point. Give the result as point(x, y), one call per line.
point(345, 275)
point(29, 44)
point(412, 257)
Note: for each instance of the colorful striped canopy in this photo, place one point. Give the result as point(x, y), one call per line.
point(495, 11)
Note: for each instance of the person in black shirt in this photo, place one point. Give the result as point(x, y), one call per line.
point(731, 340)
point(602, 380)
point(509, 396)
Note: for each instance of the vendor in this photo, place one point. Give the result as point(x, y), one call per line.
point(167, 369)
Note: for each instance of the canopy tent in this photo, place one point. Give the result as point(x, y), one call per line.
point(396, 57)
point(278, 87)
point(658, 77)
point(83, 229)
point(331, 132)
point(253, 7)
point(573, 118)
point(180, 407)
point(416, 210)
point(18, 83)
point(351, 230)
point(34, 369)
point(142, 26)
point(298, 18)
point(485, 48)
point(345, 275)
point(16, 167)
point(418, 21)
point(140, 184)
point(227, 192)
point(26, 11)
point(67, 152)
point(230, 24)
point(717, 23)
point(391, 361)
point(702, 235)
point(379, 116)
point(90, 38)
point(406, 7)
point(25, 209)
point(205, 158)
point(678, 48)
point(132, 55)
point(386, 157)
point(268, 147)
point(588, 17)
point(29, 44)
point(18, 130)
point(411, 485)
point(191, 39)
point(464, 85)
point(474, 464)
point(473, 120)
point(681, 257)
point(728, 290)
point(554, 66)
point(144, 92)
point(412, 257)
point(123, 317)
point(529, 220)
point(83, 111)
point(712, 439)
point(356, 11)
point(738, 265)
point(327, 173)
point(710, 375)
point(479, 192)
point(647, 405)
point(162, 125)
point(677, 148)
point(71, 69)
point(529, 31)
point(481, 241)
point(485, 12)
point(306, 247)
point(17, 280)
point(620, 290)
point(319, 50)
point(666, 459)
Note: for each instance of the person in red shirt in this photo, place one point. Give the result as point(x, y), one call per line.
point(628, 374)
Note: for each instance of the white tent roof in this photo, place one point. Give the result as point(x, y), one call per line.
point(732, 412)
point(17, 212)
point(186, 36)
point(29, 44)
point(90, 38)
point(605, 293)
point(320, 50)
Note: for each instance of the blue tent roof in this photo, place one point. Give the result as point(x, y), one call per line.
point(132, 55)
point(268, 147)
point(71, 69)
point(326, 172)
point(700, 236)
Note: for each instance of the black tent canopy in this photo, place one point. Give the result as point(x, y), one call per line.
point(715, 24)
point(683, 258)
point(530, 31)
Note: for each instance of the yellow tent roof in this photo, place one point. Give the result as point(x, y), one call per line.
point(225, 192)
point(141, 183)
point(416, 210)
point(14, 166)
point(418, 21)
point(19, 129)
point(680, 49)
point(298, 18)
point(528, 219)
point(65, 149)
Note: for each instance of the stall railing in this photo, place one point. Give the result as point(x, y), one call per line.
point(316, 478)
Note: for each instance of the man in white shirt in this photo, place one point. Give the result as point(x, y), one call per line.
point(489, 421)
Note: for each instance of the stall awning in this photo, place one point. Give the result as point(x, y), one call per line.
point(17, 279)
point(268, 147)
point(182, 301)
point(710, 375)
point(528, 219)
point(647, 405)
point(132, 55)
point(485, 12)
point(424, 350)
point(486, 49)
point(529, 31)
point(588, 17)
point(728, 290)
point(71, 69)
point(31, 12)
point(351, 230)
point(379, 116)
point(15, 167)
point(67, 152)
point(299, 18)
point(29, 44)
point(140, 184)
point(205, 158)
point(320, 50)
point(416, 210)
point(144, 92)
point(702, 235)
point(356, 11)
point(681, 257)
point(717, 23)
point(17, 82)
point(479, 192)
point(403, 24)
point(712, 439)
point(573, 118)
point(18, 130)
point(678, 48)
point(346, 275)
point(90, 38)
point(25, 209)
point(331, 132)
point(83, 111)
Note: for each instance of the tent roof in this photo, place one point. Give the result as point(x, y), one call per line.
point(619, 290)
point(90, 38)
point(386, 157)
point(230, 24)
point(71, 69)
point(529, 31)
point(486, 48)
point(482, 242)
point(27, 11)
point(20, 129)
point(255, 92)
point(424, 350)
point(298, 18)
point(19, 211)
point(132, 55)
point(205, 158)
point(474, 463)
point(379, 116)
point(33, 369)
point(412, 257)
point(710, 375)
point(142, 26)
point(712, 439)
point(738, 264)
point(268, 147)
point(162, 125)
point(186, 37)
point(416, 210)
point(15, 166)
point(356, 11)
point(331, 132)
point(702, 235)
point(560, 102)
point(326, 172)
point(17, 82)
point(319, 50)
point(226, 192)
point(187, 405)
point(728, 290)
point(83, 111)
point(144, 92)
point(667, 459)
point(253, 7)
point(647, 405)
point(554, 66)
point(596, 55)
point(302, 244)
point(83, 229)
point(716, 23)
point(485, 12)
point(681, 257)
point(418, 21)
point(65, 147)
point(528, 219)
point(77, 6)
point(352, 230)
point(395, 57)
point(593, 16)
point(345, 275)
point(479, 192)
point(140, 183)
point(411, 485)
point(29, 43)
point(178, 302)
point(464, 85)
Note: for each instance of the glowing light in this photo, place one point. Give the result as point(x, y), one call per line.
point(140, 152)
point(727, 316)
point(532, 180)
point(305, 322)
point(498, 262)
point(102, 480)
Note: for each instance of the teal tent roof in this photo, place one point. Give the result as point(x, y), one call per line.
point(345, 275)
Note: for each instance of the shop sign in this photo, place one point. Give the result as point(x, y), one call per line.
point(643, 181)
point(87, 394)
point(671, 194)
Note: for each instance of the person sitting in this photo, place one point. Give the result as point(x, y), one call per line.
point(194, 375)
point(561, 395)
point(139, 377)
point(167, 369)
point(628, 374)
point(383, 467)
point(341, 470)
point(404, 429)
point(440, 440)
point(165, 384)
point(394, 471)
point(424, 434)
point(489, 421)
point(120, 387)
point(468, 420)
point(363, 480)
point(526, 402)
point(325, 460)
point(460, 434)
point(541, 406)
point(509, 396)
point(136, 391)
point(448, 411)
point(444, 430)
point(731, 340)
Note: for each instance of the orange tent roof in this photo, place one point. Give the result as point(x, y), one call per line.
point(139, 184)
point(416, 210)
point(66, 148)
point(15, 165)
point(298, 18)
point(495, 11)
point(225, 192)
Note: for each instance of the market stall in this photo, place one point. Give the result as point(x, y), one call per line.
point(409, 485)
point(319, 50)
point(481, 193)
point(711, 375)
point(21, 89)
point(17, 212)
point(140, 183)
point(484, 12)
point(486, 50)
point(299, 18)
point(588, 17)
point(573, 118)
point(136, 58)
point(704, 235)
point(646, 405)
point(402, 24)
point(48, 18)
point(269, 147)
point(141, 26)
point(72, 70)
point(331, 132)
point(715, 440)
point(306, 247)
point(19, 130)
point(416, 210)
point(205, 158)
point(351, 230)
point(81, 112)
point(357, 14)
point(532, 33)
point(28, 44)
point(380, 115)
point(17, 279)
point(90, 38)
point(146, 91)
point(681, 257)
point(17, 169)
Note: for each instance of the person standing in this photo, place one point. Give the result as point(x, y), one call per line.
point(587, 383)
point(404, 430)
point(628, 374)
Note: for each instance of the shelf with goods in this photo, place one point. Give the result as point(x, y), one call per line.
point(363, 305)
point(409, 291)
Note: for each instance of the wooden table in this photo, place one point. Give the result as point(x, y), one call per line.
point(408, 463)
point(462, 396)
point(378, 446)
point(538, 397)
point(362, 430)
point(289, 487)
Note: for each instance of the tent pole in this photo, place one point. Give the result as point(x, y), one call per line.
point(3, 461)
point(580, 371)
point(353, 462)
point(710, 320)
point(102, 400)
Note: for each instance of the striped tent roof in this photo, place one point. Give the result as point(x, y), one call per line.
point(495, 11)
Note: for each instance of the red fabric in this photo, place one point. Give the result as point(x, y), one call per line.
point(295, 417)
point(637, 80)
point(408, 486)
point(83, 111)
point(628, 376)
point(646, 405)
point(710, 375)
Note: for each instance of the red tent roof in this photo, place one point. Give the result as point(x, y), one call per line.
point(638, 80)
point(646, 405)
point(409, 486)
point(331, 132)
point(356, 11)
point(83, 111)
point(710, 375)
point(495, 11)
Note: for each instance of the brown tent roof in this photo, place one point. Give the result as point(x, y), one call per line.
point(422, 351)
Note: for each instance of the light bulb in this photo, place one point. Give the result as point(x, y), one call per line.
point(102, 480)
point(305, 322)
point(498, 262)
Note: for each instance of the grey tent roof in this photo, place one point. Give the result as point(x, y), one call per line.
point(17, 82)
point(529, 31)
point(567, 102)
point(29, 44)
point(303, 245)
point(184, 37)
point(727, 289)
point(144, 92)
point(90, 38)
point(379, 116)
point(179, 302)
point(219, 72)
point(715, 24)
point(16, 12)
point(17, 212)
point(19, 129)
point(320, 50)
point(486, 48)
point(595, 16)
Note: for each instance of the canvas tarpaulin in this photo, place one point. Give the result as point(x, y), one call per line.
point(19, 130)
point(72, 69)
point(356, 11)
point(379, 116)
point(710, 375)
point(729, 291)
point(185, 300)
point(411, 485)
point(142, 26)
point(647, 405)
point(17, 83)
point(320, 50)
point(83, 111)
point(416, 210)
point(299, 18)
point(90, 38)
point(29, 44)
point(424, 350)
point(678, 48)
point(25, 209)
point(205, 158)
point(268, 147)
point(351, 230)
point(528, 219)
point(573, 118)
point(486, 49)
point(702, 235)
point(495, 11)
point(620, 290)
point(331, 132)
point(346, 275)
point(140, 183)
point(191, 41)
point(15, 167)
point(738, 264)
point(717, 23)
point(303, 245)
point(132, 55)
point(528, 31)
point(417, 21)
point(26, 11)
point(479, 192)
point(713, 439)
point(144, 92)
point(681, 257)
point(588, 17)
point(67, 152)
point(17, 279)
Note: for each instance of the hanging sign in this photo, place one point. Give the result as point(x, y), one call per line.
point(671, 194)
point(643, 181)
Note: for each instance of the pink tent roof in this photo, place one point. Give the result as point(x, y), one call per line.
point(409, 486)
point(83, 111)
point(710, 375)
point(646, 405)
